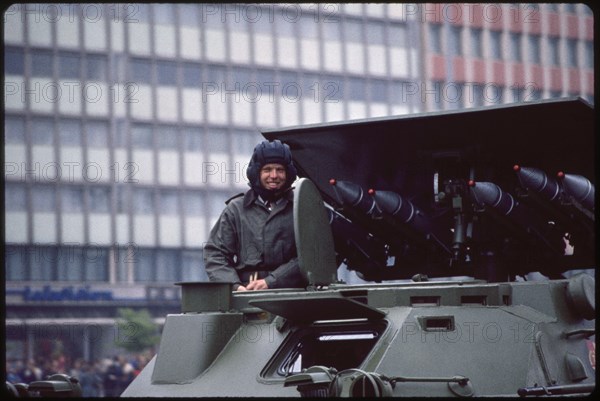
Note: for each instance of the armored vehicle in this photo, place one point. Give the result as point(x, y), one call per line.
point(474, 232)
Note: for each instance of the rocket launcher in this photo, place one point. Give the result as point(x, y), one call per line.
point(521, 220)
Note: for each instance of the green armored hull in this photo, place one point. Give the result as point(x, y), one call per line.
point(446, 215)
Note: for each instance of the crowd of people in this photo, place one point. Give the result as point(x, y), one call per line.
point(107, 377)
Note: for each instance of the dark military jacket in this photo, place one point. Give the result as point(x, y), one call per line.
point(249, 238)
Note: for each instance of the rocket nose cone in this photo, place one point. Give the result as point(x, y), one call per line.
point(392, 203)
point(349, 192)
point(538, 181)
point(488, 193)
point(388, 202)
point(579, 188)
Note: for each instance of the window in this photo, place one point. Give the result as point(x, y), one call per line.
point(589, 54)
point(142, 12)
point(215, 74)
point(97, 134)
point(167, 137)
point(69, 132)
point(517, 94)
point(169, 202)
point(42, 131)
point(476, 47)
point(141, 71)
point(123, 203)
point(455, 44)
point(454, 95)
point(397, 36)
point(42, 263)
point(357, 89)
point(189, 15)
point(555, 94)
point(118, 66)
point(494, 93)
point(143, 201)
point(240, 77)
point(167, 73)
point(291, 80)
point(353, 30)
point(333, 88)
point(496, 44)
point(193, 203)
point(262, 25)
point(216, 203)
point(193, 139)
point(193, 266)
point(379, 91)
point(192, 75)
point(71, 199)
point(41, 63)
point(96, 264)
point(237, 24)
point(309, 28)
point(217, 141)
point(15, 197)
point(341, 346)
point(515, 47)
point(68, 65)
point(572, 53)
point(14, 130)
point(141, 136)
point(99, 199)
point(14, 61)
point(553, 44)
point(398, 92)
point(283, 25)
point(477, 95)
point(213, 19)
point(244, 141)
point(70, 261)
point(332, 31)
point(16, 263)
point(96, 68)
point(43, 198)
point(375, 33)
point(168, 265)
point(435, 38)
point(164, 14)
point(534, 49)
point(124, 257)
point(534, 95)
point(144, 265)
point(120, 139)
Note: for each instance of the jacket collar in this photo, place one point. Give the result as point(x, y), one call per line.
point(250, 197)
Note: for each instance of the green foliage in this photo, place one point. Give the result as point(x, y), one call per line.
point(136, 331)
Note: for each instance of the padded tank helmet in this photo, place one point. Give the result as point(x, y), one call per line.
point(270, 152)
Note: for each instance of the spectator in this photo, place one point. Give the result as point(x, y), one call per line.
point(90, 381)
point(113, 378)
point(31, 372)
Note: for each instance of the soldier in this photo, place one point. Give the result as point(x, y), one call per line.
point(252, 244)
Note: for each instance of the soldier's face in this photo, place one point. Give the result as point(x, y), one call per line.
point(272, 176)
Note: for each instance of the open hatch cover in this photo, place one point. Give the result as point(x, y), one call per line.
point(307, 309)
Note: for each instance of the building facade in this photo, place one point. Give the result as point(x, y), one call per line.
point(128, 125)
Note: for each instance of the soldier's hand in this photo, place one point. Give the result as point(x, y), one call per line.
point(257, 285)
point(241, 288)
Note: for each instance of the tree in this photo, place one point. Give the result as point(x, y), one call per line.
point(137, 331)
